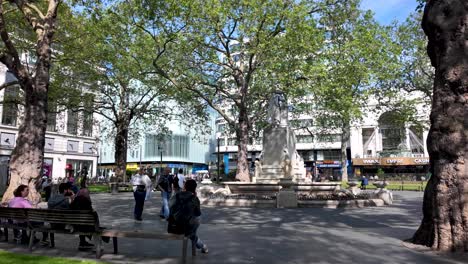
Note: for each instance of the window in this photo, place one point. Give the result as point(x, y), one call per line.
point(393, 132)
point(88, 147)
point(52, 118)
point(7, 140)
point(72, 146)
point(174, 146)
point(232, 142)
point(222, 142)
point(221, 127)
point(305, 139)
point(87, 124)
point(72, 122)
point(329, 138)
point(88, 117)
point(332, 154)
point(10, 108)
point(49, 144)
point(391, 138)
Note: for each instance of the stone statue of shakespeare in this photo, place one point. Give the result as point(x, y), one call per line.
point(278, 109)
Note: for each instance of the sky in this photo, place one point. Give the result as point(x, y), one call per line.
point(387, 11)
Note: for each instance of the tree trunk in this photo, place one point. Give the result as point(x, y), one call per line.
point(242, 135)
point(120, 155)
point(445, 210)
point(28, 155)
point(345, 134)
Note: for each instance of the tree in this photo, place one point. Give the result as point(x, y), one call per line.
point(234, 54)
point(116, 75)
point(357, 54)
point(27, 156)
point(444, 226)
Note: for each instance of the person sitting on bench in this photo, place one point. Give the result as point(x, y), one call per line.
point(185, 214)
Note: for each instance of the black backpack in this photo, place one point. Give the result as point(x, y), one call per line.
point(180, 215)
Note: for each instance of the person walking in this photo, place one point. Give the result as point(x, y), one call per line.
point(165, 183)
point(179, 184)
point(185, 214)
point(141, 184)
point(364, 183)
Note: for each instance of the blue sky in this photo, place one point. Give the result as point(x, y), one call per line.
point(387, 11)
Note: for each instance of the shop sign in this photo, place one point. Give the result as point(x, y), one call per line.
point(421, 161)
point(132, 166)
point(371, 161)
point(403, 161)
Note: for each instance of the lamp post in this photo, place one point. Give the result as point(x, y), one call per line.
point(160, 161)
point(140, 157)
point(218, 167)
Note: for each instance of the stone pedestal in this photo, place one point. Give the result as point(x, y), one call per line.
point(286, 197)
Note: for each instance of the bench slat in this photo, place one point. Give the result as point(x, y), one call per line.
point(141, 234)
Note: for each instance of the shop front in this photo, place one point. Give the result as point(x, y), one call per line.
point(392, 166)
point(327, 169)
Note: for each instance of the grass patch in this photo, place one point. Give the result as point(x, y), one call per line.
point(13, 258)
point(98, 188)
point(396, 186)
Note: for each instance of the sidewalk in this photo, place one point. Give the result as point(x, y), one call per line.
point(253, 235)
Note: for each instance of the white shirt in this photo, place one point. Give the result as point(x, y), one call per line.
point(181, 180)
point(138, 179)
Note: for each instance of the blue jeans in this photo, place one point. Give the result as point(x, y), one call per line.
point(165, 204)
point(192, 232)
point(139, 203)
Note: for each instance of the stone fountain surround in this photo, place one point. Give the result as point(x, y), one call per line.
point(273, 189)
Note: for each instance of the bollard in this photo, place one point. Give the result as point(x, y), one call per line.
point(114, 188)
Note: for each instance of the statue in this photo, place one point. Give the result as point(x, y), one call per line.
point(258, 170)
point(287, 165)
point(278, 110)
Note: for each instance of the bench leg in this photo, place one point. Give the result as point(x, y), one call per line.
point(31, 239)
point(97, 242)
point(5, 231)
point(184, 250)
point(116, 245)
point(194, 248)
point(52, 239)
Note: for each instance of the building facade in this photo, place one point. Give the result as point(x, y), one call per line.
point(381, 144)
point(71, 137)
point(182, 149)
point(377, 144)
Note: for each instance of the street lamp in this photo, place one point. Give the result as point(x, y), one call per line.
point(140, 156)
point(160, 149)
point(218, 167)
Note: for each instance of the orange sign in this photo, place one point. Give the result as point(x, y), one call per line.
point(395, 161)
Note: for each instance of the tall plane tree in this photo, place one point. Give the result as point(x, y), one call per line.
point(116, 75)
point(357, 53)
point(27, 156)
point(233, 55)
point(444, 226)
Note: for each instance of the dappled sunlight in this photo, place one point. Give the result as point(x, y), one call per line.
point(263, 235)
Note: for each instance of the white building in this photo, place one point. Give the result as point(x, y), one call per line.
point(71, 138)
point(183, 149)
point(381, 143)
point(375, 143)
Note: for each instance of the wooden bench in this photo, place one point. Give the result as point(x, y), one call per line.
point(83, 223)
point(115, 234)
point(31, 220)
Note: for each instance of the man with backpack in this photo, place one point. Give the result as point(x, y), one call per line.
point(185, 214)
point(165, 186)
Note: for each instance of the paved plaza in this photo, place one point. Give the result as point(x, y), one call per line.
point(250, 235)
